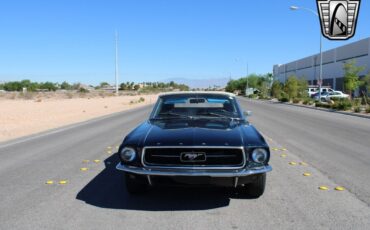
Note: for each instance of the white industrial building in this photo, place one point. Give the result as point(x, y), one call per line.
point(333, 61)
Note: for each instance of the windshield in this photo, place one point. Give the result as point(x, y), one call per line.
point(196, 105)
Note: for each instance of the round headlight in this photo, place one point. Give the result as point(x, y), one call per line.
point(128, 154)
point(259, 155)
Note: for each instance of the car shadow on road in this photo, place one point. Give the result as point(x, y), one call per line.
point(107, 190)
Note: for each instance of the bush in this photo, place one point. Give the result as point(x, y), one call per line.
point(296, 100)
point(253, 96)
point(368, 110)
point(284, 99)
point(357, 101)
point(141, 99)
point(308, 101)
point(335, 99)
point(323, 105)
point(343, 104)
point(83, 90)
point(357, 109)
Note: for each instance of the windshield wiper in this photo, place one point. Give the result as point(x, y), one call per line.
point(170, 115)
point(217, 115)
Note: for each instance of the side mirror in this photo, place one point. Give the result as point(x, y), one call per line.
point(247, 113)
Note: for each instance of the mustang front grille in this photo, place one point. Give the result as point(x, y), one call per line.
point(194, 157)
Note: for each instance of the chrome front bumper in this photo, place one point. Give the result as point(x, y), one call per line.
point(193, 172)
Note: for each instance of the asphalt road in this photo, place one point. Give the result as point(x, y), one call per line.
point(335, 147)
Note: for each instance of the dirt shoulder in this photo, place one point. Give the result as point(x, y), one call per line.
point(24, 117)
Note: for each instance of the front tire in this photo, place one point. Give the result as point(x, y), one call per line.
point(134, 186)
point(256, 188)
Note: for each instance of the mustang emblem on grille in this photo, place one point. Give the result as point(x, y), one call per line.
point(193, 157)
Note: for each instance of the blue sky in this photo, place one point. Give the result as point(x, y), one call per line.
point(73, 40)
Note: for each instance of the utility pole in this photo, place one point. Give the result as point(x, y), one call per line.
point(116, 72)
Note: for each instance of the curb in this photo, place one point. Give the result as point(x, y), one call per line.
point(315, 108)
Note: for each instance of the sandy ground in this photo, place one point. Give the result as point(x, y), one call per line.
point(24, 117)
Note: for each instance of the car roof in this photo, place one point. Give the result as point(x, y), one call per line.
point(197, 92)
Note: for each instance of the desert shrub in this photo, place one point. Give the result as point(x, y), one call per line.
point(141, 99)
point(263, 97)
point(291, 87)
point(368, 109)
point(276, 89)
point(308, 101)
point(357, 109)
point(296, 100)
point(323, 105)
point(357, 101)
point(83, 90)
point(343, 104)
point(284, 99)
point(102, 94)
point(27, 95)
point(253, 96)
point(13, 96)
point(335, 99)
point(69, 95)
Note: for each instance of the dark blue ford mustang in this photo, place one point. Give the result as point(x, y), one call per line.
point(196, 138)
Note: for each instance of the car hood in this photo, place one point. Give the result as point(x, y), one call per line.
point(193, 136)
point(183, 134)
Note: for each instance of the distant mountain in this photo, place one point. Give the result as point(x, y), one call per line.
point(200, 83)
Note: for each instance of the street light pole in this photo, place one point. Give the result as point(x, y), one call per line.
point(315, 13)
point(116, 71)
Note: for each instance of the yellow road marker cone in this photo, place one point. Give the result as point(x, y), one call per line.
point(84, 169)
point(85, 161)
point(283, 155)
point(303, 163)
point(49, 182)
point(63, 182)
point(323, 188)
point(340, 188)
point(306, 174)
point(292, 163)
point(96, 161)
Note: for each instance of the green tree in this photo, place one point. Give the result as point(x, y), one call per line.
point(251, 80)
point(291, 87)
point(136, 87)
point(66, 86)
point(270, 78)
point(365, 85)
point(103, 84)
point(123, 86)
point(13, 86)
point(302, 88)
point(231, 86)
point(77, 86)
point(48, 85)
point(276, 89)
point(351, 76)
